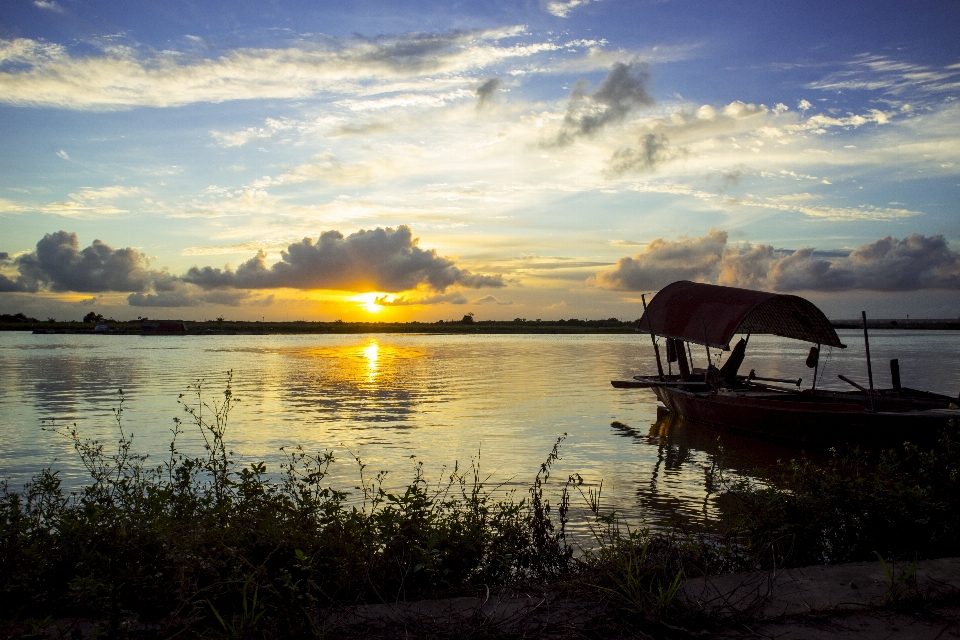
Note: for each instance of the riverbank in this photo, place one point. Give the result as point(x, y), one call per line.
point(228, 327)
point(516, 326)
point(208, 546)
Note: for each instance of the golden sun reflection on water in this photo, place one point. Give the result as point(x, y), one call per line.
point(368, 363)
point(371, 351)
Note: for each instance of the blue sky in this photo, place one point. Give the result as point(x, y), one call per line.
point(418, 161)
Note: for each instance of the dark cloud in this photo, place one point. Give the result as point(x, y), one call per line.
point(889, 264)
point(487, 91)
point(380, 259)
point(180, 298)
point(10, 286)
point(187, 296)
point(664, 262)
point(416, 53)
point(727, 179)
point(624, 88)
point(491, 300)
point(362, 129)
point(731, 179)
point(59, 264)
point(653, 150)
point(916, 262)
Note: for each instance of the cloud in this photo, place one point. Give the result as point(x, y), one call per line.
point(455, 297)
point(376, 260)
point(665, 261)
point(889, 264)
point(88, 194)
point(87, 203)
point(491, 300)
point(872, 72)
point(272, 127)
point(62, 155)
point(562, 8)
point(48, 5)
point(487, 92)
point(8, 285)
point(624, 88)
point(184, 296)
point(122, 77)
point(379, 260)
point(325, 168)
point(60, 265)
point(653, 150)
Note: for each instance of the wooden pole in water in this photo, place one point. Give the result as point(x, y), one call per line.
point(653, 338)
point(866, 344)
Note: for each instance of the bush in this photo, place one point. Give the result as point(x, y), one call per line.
point(896, 503)
point(202, 537)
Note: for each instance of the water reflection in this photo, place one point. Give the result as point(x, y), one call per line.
point(441, 398)
point(692, 462)
point(368, 383)
point(371, 351)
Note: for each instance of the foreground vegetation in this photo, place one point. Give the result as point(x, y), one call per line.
point(205, 546)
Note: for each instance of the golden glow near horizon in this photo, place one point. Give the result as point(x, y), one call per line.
point(369, 301)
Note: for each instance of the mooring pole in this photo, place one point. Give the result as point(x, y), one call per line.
point(866, 344)
point(653, 338)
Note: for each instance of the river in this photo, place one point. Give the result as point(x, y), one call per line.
point(441, 399)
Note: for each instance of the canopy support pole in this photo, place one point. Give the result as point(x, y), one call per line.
point(653, 338)
point(866, 345)
point(816, 370)
point(706, 345)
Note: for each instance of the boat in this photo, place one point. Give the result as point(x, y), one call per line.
point(686, 313)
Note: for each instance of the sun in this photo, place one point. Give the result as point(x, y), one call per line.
point(369, 302)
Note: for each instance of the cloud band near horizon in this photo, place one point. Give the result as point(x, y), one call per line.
point(387, 260)
point(889, 264)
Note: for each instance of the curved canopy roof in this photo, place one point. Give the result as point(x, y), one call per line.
point(710, 314)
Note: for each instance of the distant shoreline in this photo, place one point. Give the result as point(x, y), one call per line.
point(517, 326)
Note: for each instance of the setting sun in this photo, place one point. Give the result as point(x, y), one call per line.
point(369, 302)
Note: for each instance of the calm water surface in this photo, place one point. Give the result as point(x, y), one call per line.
point(501, 399)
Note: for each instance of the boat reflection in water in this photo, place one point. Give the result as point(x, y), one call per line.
point(693, 462)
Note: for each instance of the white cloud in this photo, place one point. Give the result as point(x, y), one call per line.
point(562, 8)
point(87, 194)
point(48, 5)
point(35, 73)
point(871, 72)
point(271, 127)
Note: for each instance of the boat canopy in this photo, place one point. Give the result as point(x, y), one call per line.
point(710, 314)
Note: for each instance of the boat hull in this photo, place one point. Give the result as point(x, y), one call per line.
point(831, 421)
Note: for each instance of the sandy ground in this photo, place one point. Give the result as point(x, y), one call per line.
point(859, 600)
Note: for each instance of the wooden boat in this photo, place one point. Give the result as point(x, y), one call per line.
point(689, 313)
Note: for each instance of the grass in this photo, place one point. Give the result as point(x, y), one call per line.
point(895, 503)
point(204, 547)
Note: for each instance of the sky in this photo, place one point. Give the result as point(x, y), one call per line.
point(400, 161)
